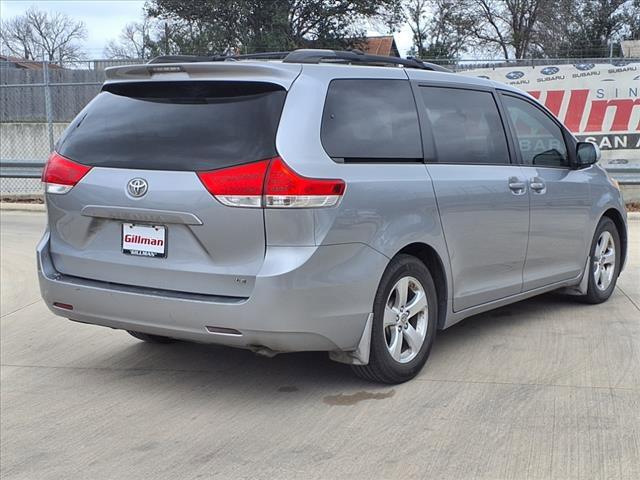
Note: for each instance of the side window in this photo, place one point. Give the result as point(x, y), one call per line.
point(540, 139)
point(466, 126)
point(371, 119)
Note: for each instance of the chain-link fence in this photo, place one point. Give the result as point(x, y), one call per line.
point(39, 99)
point(461, 65)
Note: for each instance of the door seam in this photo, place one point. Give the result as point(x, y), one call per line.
point(526, 250)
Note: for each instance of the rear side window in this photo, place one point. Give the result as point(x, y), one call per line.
point(176, 125)
point(466, 126)
point(369, 120)
point(540, 139)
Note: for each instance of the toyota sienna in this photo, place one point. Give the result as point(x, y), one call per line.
point(322, 201)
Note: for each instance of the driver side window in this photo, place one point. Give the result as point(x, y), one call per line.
point(540, 140)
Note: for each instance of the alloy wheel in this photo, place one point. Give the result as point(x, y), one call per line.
point(604, 261)
point(406, 317)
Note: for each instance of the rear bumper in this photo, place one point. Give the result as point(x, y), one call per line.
point(305, 298)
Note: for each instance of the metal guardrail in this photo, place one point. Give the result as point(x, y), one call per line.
point(624, 174)
point(12, 169)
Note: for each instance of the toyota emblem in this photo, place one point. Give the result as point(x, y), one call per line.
point(137, 187)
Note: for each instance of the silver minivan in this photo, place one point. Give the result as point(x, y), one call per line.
point(324, 201)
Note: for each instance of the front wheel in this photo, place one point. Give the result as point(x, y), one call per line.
point(405, 313)
point(605, 262)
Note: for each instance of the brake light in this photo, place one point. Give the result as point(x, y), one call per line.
point(61, 174)
point(284, 188)
point(239, 186)
point(272, 184)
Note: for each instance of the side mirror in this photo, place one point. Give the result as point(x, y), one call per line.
point(587, 154)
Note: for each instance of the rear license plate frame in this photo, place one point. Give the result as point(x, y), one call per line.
point(153, 232)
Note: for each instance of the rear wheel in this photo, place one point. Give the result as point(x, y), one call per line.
point(145, 337)
point(405, 313)
point(605, 262)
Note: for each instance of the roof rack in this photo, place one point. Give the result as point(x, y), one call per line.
point(357, 56)
point(309, 56)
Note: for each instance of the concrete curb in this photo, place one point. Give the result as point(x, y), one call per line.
point(22, 207)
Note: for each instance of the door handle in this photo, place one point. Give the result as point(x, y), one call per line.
point(516, 186)
point(538, 185)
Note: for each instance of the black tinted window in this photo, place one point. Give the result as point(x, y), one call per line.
point(176, 125)
point(540, 139)
point(371, 119)
point(466, 126)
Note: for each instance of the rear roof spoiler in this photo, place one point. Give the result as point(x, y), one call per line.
point(278, 73)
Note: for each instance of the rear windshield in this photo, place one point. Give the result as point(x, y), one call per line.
point(176, 125)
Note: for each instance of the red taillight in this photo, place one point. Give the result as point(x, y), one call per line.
point(61, 174)
point(272, 184)
point(239, 186)
point(285, 188)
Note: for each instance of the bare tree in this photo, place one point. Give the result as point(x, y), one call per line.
point(554, 29)
point(17, 38)
point(439, 27)
point(134, 42)
point(449, 28)
point(417, 19)
point(505, 25)
point(36, 35)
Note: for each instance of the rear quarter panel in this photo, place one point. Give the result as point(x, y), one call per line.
point(385, 206)
point(604, 196)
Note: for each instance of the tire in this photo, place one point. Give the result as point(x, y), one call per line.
point(603, 269)
point(389, 361)
point(145, 337)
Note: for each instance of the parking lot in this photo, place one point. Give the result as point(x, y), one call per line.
point(545, 388)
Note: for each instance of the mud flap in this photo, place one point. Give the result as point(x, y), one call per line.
point(359, 356)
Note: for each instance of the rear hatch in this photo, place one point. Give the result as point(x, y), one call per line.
point(141, 215)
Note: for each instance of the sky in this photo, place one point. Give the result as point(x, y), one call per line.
point(105, 19)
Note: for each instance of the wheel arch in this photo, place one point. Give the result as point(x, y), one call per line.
point(432, 260)
point(618, 220)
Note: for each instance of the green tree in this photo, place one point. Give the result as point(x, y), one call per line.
point(418, 21)
point(194, 27)
point(439, 28)
point(634, 22)
point(588, 28)
point(600, 26)
point(247, 26)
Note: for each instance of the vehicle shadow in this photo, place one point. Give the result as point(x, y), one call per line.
point(228, 368)
point(534, 310)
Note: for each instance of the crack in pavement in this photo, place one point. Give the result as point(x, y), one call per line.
point(20, 308)
point(628, 297)
point(417, 379)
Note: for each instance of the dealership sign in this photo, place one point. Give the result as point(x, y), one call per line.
point(599, 103)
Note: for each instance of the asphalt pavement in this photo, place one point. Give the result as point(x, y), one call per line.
point(545, 388)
